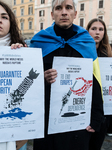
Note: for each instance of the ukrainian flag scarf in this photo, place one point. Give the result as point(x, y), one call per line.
point(82, 42)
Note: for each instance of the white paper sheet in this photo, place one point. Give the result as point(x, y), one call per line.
point(106, 78)
point(21, 94)
point(71, 94)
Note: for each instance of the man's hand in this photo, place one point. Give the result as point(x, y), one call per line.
point(89, 129)
point(50, 75)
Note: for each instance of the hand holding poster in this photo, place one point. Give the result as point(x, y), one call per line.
point(106, 78)
point(71, 95)
point(21, 94)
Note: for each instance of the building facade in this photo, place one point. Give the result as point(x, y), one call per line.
point(89, 9)
point(86, 10)
point(24, 11)
point(8, 2)
point(42, 14)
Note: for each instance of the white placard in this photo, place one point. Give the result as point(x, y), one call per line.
point(106, 78)
point(71, 95)
point(21, 94)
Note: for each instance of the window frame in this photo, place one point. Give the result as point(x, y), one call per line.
point(81, 7)
point(101, 17)
point(41, 25)
point(30, 9)
point(42, 1)
point(14, 2)
point(30, 25)
point(22, 1)
point(14, 11)
point(22, 25)
point(80, 22)
point(22, 12)
point(100, 5)
point(41, 13)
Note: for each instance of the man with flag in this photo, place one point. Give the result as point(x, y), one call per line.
point(63, 38)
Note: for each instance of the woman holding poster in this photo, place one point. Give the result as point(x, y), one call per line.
point(9, 34)
point(97, 29)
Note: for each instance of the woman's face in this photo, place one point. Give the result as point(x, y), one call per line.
point(4, 22)
point(97, 31)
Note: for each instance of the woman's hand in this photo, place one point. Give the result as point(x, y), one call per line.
point(89, 129)
point(17, 45)
point(50, 75)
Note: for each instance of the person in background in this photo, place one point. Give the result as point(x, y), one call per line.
point(97, 29)
point(63, 38)
point(9, 34)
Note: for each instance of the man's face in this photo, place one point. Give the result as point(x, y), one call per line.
point(64, 14)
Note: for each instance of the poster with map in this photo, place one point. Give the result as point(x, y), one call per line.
point(21, 94)
point(71, 95)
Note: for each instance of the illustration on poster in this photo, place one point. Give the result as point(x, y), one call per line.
point(80, 92)
point(14, 99)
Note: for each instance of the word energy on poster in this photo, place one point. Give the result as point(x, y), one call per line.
point(71, 95)
point(21, 94)
point(106, 79)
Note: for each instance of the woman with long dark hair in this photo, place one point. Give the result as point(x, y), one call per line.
point(9, 34)
point(12, 29)
point(97, 29)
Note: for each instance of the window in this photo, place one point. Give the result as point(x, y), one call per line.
point(22, 26)
point(14, 2)
point(30, 24)
point(41, 26)
point(42, 1)
point(82, 7)
point(22, 11)
point(81, 22)
point(41, 13)
point(100, 3)
point(22, 1)
point(30, 10)
point(100, 17)
point(14, 11)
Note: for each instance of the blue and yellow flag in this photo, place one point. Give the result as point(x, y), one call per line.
point(81, 42)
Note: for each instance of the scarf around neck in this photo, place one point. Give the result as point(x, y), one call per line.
point(49, 41)
point(81, 42)
point(5, 41)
